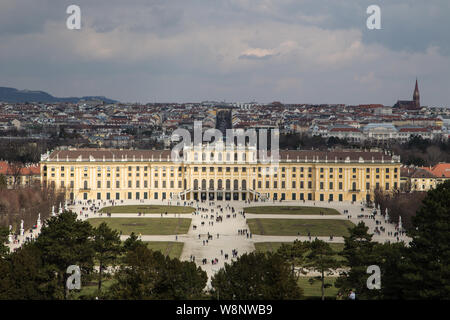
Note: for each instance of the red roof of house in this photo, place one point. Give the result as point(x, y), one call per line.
point(346, 129)
point(6, 169)
point(414, 130)
point(441, 170)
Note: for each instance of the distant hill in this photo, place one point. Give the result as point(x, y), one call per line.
point(13, 95)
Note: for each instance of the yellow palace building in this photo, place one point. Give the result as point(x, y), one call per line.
point(108, 174)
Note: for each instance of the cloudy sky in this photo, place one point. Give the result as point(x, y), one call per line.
point(294, 51)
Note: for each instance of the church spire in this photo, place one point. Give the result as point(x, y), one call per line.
point(416, 95)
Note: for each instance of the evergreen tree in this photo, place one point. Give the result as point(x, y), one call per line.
point(24, 275)
point(64, 241)
point(4, 250)
point(322, 259)
point(428, 263)
point(147, 274)
point(359, 253)
point(107, 247)
point(256, 276)
point(294, 254)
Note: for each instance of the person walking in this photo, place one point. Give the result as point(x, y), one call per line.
point(352, 295)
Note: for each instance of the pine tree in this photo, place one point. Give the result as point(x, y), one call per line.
point(428, 263)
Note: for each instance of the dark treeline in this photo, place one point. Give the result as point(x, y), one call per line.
point(417, 151)
point(27, 150)
point(400, 204)
point(26, 204)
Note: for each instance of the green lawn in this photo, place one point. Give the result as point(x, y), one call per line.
point(291, 227)
point(171, 248)
point(89, 291)
point(147, 209)
point(313, 291)
point(146, 226)
point(291, 210)
point(274, 246)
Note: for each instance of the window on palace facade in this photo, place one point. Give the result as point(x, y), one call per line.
point(117, 184)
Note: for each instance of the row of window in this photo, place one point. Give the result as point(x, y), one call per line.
point(227, 169)
point(228, 196)
point(228, 185)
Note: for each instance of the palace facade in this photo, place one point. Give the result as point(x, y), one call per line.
point(203, 174)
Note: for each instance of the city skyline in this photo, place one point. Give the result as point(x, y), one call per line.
point(264, 51)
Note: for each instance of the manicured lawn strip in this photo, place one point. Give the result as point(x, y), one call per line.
point(274, 246)
point(291, 227)
point(91, 289)
point(146, 226)
point(147, 209)
point(175, 247)
point(291, 210)
point(313, 291)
